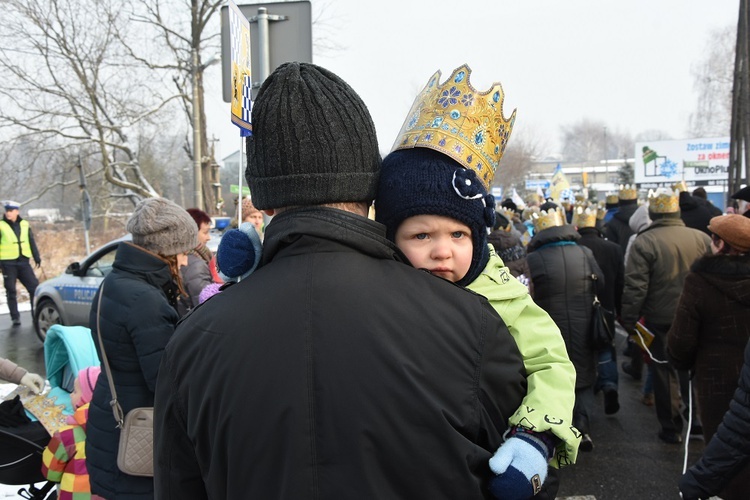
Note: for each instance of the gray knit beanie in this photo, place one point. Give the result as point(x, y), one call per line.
point(163, 227)
point(313, 141)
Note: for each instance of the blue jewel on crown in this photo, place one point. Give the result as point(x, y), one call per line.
point(479, 138)
point(455, 114)
point(460, 77)
point(442, 142)
point(445, 126)
point(496, 96)
point(449, 97)
point(428, 137)
point(436, 122)
point(479, 166)
point(497, 149)
point(470, 158)
point(458, 148)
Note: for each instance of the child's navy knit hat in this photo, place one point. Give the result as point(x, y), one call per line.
point(239, 252)
point(422, 181)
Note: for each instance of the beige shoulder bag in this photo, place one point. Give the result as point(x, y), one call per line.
point(135, 455)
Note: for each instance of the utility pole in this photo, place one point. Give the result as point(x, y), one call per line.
point(740, 128)
point(197, 154)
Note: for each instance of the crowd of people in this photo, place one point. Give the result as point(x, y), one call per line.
point(442, 350)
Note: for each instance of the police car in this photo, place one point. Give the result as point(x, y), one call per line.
point(66, 299)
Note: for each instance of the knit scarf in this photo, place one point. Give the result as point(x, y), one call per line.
point(203, 252)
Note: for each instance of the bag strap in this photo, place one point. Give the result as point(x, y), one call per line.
point(594, 277)
point(116, 408)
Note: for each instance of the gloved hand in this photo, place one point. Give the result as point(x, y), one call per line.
point(33, 382)
point(521, 467)
point(38, 263)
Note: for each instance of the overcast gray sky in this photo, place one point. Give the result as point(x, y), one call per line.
point(626, 63)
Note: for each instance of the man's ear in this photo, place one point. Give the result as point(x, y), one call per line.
point(269, 211)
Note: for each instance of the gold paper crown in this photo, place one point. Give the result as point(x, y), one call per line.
point(508, 214)
point(601, 210)
point(628, 192)
point(547, 219)
point(680, 187)
point(455, 119)
point(612, 199)
point(663, 201)
point(584, 217)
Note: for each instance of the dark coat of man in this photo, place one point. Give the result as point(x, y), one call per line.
point(696, 213)
point(562, 284)
point(728, 453)
point(609, 257)
point(618, 229)
point(710, 329)
point(320, 375)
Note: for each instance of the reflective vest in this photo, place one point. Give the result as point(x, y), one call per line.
point(9, 245)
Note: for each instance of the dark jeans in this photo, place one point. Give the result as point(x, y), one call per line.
point(606, 370)
point(21, 271)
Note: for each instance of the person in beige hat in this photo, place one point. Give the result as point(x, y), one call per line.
point(712, 325)
point(137, 316)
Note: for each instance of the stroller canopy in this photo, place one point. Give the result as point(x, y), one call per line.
point(67, 350)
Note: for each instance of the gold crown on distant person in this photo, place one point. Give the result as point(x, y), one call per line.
point(663, 201)
point(628, 192)
point(508, 214)
point(546, 219)
point(584, 217)
point(601, 210)
point(680, 187)
point(459, 121)
point(612, 199)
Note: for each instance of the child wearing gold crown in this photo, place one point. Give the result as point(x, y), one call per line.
point(433, 200)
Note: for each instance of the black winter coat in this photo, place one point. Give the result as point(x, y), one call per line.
point(334, 371)
point(609, 257)
point(696, 212)
point(137, 319)
point(728, 452)
point(561, 279)
point(618, 228)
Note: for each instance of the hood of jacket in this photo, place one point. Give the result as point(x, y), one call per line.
point(640, 219)
point(626, 211)
point(730, 274)
point(555, 234)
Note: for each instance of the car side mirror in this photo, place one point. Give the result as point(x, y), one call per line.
point(73, 268)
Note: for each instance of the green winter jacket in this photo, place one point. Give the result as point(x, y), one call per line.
point(658, 262)
point(550, 375)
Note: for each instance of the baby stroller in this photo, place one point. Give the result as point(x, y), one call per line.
point(67, 350)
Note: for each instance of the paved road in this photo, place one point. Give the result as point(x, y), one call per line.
point(628, 461)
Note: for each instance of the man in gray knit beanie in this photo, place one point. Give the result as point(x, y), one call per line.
point(334, 360)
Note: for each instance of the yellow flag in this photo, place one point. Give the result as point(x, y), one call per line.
point(559, 186)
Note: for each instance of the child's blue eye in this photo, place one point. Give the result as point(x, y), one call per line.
point(457, 234)
point(421, 236)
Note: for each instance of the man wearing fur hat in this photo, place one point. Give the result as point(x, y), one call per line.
point(17, 246)
point(335, 365)
point(658, 262)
